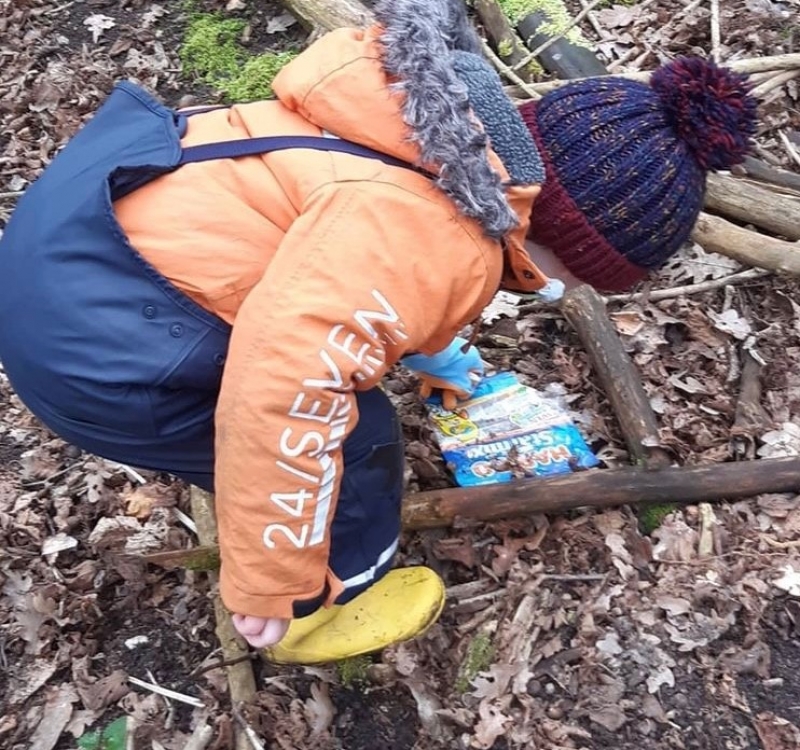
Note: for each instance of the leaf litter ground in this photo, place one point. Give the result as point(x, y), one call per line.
point(579, 631)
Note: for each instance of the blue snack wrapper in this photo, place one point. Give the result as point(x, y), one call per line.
point(507, 431)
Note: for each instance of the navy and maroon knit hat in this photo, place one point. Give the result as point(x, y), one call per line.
point(626, 164)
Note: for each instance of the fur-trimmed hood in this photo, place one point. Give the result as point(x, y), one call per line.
point(415, 86)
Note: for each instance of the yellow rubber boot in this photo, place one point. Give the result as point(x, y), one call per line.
point(402, 605)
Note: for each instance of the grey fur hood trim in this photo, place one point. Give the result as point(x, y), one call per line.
point(419, 37)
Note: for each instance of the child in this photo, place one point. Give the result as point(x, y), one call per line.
point(218, 293)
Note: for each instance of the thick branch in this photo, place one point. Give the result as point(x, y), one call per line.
point(602, 488)
point(502, 38)
point(779, 214)
point(585, 309)
point(720, 236)
point(329, 14)
point(241, 681)
point(759, 170)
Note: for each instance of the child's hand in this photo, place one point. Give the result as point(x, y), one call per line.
point(260, 632)
point(455, 370)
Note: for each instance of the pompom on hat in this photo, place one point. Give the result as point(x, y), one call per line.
point(626, 164)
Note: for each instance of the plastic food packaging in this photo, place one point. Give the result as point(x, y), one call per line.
point(507, 431)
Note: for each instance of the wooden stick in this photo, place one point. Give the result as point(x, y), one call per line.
point(753, 204)
point(749, 65)
point(720, 236)
point(603, 488)
point(715, 34)
point(503, 69)
point(655, 295)
point(241, 681)
point(329, 14)
point(763, 172)
point(596, 488)
point(749, 416)
point(586, 310)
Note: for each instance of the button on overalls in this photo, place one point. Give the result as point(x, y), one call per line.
point(115, 359)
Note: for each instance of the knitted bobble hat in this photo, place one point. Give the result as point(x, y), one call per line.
point(626, 165)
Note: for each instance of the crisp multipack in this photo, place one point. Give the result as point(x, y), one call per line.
point(506, 431)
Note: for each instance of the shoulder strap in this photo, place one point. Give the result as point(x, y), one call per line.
point(254, 146)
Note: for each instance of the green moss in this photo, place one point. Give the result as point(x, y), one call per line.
point(255, 80)
point(352, 672)
point(505, 48)
point(555, 11)
point(480, 653)
point(651, 516)
point(213, 52)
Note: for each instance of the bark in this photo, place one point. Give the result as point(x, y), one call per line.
point(241, 681)
point(586, 311)
point(720, 236)
point(779, 214)
point(602, 488)
point(763, 172)
point(329, 14)
point(500, 35)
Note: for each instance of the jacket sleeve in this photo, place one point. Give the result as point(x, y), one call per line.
point(355, 284)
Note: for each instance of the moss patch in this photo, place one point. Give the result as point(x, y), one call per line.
point(478, 658)
point(212, 51)
point(555, 10)
point(651, 516)
point(352, 672)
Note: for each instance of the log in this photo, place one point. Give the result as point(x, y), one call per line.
point(763, 172)
point(562, 57)
point(586, 311)
point(596, 488)
point(500, 35)
point(241, 680)
point(720, 236)
point(753, 204)
point(602, 488)
point(749, 65)
point(329, 14)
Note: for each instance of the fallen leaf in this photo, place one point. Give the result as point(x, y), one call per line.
point(776, 733)
point(319, 708)
point(789, 581)
point(57, 713)
point(280, 23)
point(97, 23)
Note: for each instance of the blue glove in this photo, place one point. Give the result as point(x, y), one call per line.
point(455, 371)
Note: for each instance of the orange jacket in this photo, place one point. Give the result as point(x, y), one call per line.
point(329, 267)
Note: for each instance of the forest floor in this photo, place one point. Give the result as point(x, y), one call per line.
point(583, 631)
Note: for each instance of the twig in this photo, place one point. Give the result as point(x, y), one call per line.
point(247, 730)
point(781, 545)
point(789, 146)
point(573, 577)
point(131, 473)
point(715, 36)
point(702, 286)
point(167, 693)
point(185, 520)
point(195, 673)
point(776, 80)
point(508, 72)
point(12, 194)
point(241, 681)
point(552, 40)
point(592, 18)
